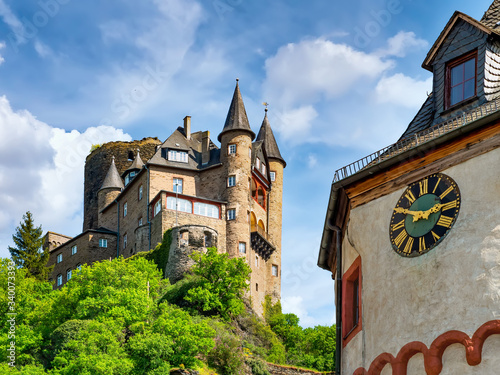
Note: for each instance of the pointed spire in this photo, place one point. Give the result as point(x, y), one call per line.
point(491, 17)
point(266, 135)
point(237, 116)
point(112, 179)
point(136, 164)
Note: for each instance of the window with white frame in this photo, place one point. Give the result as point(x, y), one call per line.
point(124, 241)
point(263, 169)
point(59, 258)
point(125, 209)
point(206, 209)
point(256, 261)
point(250, 152)
point(178, 185)
point(79, 267)
point(140, 192)
point(103, 242)
point(129, 177)
point(74, 250)
point(231, 214)
point(274, 270)
point(68, 275)
point(231, 149)
point(242, 247)
point(231, 181)
point(59, 280)
point(183, 205)
point(273, 176)
point(257, 163)
point(157, 208)
point(140, 221)
point(177, 155)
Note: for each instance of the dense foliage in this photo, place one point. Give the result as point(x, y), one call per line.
point(28, 252)
point(122, 317)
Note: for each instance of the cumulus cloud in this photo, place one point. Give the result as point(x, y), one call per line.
point(41, 171)
point(401, 43)
point(295, 305)
point(402, 90)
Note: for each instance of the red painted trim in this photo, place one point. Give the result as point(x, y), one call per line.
point(351, 275)
point(433, 357)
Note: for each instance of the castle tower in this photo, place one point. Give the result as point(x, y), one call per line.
point(236, 146)
point(276, 167)
point(110, 189)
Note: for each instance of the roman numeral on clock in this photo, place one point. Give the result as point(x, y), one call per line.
point(445, 221)
point(411, 198)
point(401, 238)
point(424, 187)
point(449, 205)
point(399, 225)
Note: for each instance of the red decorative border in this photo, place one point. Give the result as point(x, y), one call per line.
point(433, 357)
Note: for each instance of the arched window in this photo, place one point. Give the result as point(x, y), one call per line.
point(59, 280)
point(183, 205)
point(261, 225)
point(208, 239)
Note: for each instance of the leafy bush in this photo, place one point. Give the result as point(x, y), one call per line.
point(227, 355)
point(258, 366)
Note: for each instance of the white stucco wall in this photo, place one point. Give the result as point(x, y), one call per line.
point(455, 286)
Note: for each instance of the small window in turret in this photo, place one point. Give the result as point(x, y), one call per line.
point(231, 149)
point(273, 176)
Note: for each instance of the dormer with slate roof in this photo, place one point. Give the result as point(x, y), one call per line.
point(134, 168)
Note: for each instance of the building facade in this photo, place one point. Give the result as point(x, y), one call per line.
point(412, 232)
point(135, 191)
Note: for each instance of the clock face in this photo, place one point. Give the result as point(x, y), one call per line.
point(424, 215)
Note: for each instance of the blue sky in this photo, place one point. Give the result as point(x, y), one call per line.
point(342, 79)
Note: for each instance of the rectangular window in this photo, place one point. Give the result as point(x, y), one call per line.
point(256, 287)
point(74, 250)
point(178, 185)
point(59, 280)
point(351, 301)
point(79, 267)
point(103, 242)
point(461, 79)
point(231, 214)
point(231, 181)
point(205, 209)
point(140, 192)
point(182, 205)
point(157, 208)
point(124, 241)
point(140, 221)
point(231, 149)
point(250, 152)
point(274, 270)
point(273, 176)
point(176, 155)
point(257, 164)
point(125, 209)
point(59, 258)
point(242, 246)
point(256, 261)
point(263, 169)
point(68, 275)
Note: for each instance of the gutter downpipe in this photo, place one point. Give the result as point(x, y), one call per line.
point(118, 230)
point(147, 206)
point(338, 309)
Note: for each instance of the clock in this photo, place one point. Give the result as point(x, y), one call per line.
point(424, 215)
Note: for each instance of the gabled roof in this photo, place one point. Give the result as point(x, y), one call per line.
point(266, 135)
point(137, 164)
point(491, 17)
point(237, 116)
point(112, 179)
point(427, 64)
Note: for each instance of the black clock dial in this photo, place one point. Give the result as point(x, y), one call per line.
point(424, 215)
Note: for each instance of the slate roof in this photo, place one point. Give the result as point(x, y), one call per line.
point(266, 135)
point(492, 16)
point(423, 118)
point(237, 116)
point(193, 146)
point(112, 179)
point(137, 164)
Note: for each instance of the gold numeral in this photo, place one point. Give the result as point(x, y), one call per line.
point(445, 221)
point(401, 238)
point(449, 205)
point(399, 225)
point(408, 245)
point(411, 198)
point(437, 184)
point(448, 191)
point(421, 244)
point(424, 187)
point(435, 236)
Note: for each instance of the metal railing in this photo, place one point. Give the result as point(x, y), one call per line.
point(262, 232)
point(416, 139)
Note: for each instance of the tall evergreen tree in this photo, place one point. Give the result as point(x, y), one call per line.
point(28, 252)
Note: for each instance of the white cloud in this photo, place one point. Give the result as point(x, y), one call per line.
point(13, 22)
point(295, 305)
point(2, 45)
point(294, 124)
point(41, 170)
point(402, 90)
point(401, 43)
point(312, 160)
point(42, 49)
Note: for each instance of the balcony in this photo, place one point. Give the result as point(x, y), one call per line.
point(260, 242)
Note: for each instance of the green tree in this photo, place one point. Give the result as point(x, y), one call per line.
point(223, 282)
point(28, 252)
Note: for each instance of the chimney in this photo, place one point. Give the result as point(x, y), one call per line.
point(205, 147)
point(187, 127)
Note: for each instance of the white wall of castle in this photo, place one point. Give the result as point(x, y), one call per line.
point(455, 286)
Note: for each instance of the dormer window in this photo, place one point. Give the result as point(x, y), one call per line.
point(461, 79)
point(129, 177)
point(178, 155)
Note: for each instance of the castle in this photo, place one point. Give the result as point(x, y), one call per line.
point(229, 197)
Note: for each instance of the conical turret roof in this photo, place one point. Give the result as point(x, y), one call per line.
point(237, 116)
point(492, 15)
point(266, 135)
point(112, 179)
point(136, 164)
